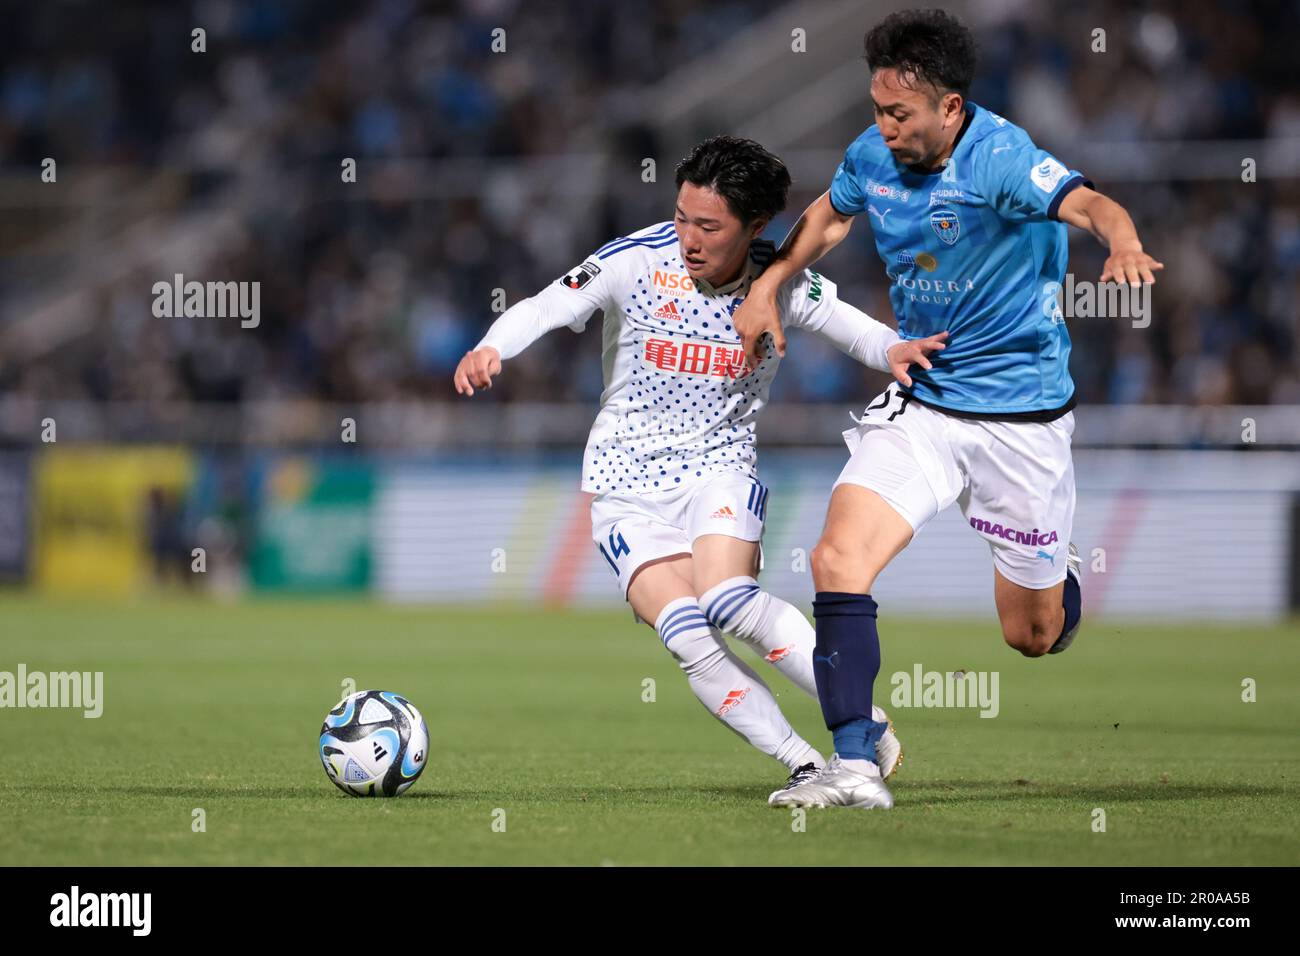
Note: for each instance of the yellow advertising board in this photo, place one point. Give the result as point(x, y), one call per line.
point(93, 509)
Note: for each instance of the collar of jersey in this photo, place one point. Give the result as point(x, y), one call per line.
point(708, 289)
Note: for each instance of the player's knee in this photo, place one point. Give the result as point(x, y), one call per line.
point(737, 610)
point(839, 568)
point(828, 560)
point(1031, 637)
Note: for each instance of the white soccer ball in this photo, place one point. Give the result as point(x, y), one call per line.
point(374, 744)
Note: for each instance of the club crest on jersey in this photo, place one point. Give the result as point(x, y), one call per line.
point(946, 225)
point(579, 276)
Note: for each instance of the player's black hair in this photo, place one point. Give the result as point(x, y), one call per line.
point(931, 44)
point(752, 181)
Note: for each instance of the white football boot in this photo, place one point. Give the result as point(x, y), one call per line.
point(889, 757)
point(889, 752)
point(1074, 566)
point(842, 783)
point(799, 776)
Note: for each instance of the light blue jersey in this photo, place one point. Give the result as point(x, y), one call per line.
point(970, 248)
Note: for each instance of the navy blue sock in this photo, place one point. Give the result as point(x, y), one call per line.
point(1072, 599)
point(846, 661)
point(856, 739)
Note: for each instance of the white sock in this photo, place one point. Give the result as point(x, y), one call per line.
point(727, 688)
point(774, 628)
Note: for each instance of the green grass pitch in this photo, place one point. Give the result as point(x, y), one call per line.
point(540, 714)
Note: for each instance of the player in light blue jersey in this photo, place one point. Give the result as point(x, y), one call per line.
point(969, 220)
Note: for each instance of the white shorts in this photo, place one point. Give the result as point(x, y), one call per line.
point(631, 530)
point(1014, 481)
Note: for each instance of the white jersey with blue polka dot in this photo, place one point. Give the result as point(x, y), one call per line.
point(679, 404)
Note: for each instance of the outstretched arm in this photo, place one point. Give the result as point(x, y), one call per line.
point(1112, 226)
point(855, 333)
point(569, 302)
point(518, 327)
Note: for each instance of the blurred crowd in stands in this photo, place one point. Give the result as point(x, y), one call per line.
point(374, 295)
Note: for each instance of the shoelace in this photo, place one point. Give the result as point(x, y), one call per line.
point(802, 774)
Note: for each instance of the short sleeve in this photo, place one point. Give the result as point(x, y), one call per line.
point(1023, 183)
point(846, 189)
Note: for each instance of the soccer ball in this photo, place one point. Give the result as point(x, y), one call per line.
point(374, 744)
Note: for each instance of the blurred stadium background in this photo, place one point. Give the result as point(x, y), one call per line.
point(480, 171)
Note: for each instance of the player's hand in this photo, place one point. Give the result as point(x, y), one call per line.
point(756, 317)
point(477, 368)
point(1130, 265)
point(903, 355)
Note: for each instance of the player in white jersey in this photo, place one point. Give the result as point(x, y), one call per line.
point(678, 509)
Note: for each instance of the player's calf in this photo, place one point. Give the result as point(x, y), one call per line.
point(1072, 600)
point(1031, 620)
point(1033, 637)
point(775, 629)
point(1040, 621)
point(780, 633)
point(727, 687)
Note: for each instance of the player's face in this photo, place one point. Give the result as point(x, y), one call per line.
point(714, 240)
point(915, 122)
